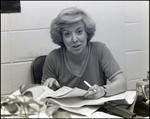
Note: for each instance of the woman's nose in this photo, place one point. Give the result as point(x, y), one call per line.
point(74, 38)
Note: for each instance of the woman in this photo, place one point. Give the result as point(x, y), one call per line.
point(78, 59)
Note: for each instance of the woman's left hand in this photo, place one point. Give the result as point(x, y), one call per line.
point(94, 92)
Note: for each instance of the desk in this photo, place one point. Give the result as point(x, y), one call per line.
point(62, 113)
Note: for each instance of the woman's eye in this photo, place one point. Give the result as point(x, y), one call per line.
point(66, 34)
point(79, 32)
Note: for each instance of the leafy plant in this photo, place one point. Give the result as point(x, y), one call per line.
point(20, 105)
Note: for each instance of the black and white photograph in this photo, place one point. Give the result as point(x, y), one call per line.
point(75, 59)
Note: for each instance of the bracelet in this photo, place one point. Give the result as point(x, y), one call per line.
point(105, 90)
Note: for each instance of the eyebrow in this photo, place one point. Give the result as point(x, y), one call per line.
point(79, 27)
point(65, 29)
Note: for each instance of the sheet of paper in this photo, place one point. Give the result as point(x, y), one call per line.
point(84, 110)
point(130, 97)
point(97, 114)
point(39, 91)
point(65, 92)
point(62, 91)
point(76, 92)
point(78, 102)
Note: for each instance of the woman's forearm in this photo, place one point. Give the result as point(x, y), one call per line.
point(118, 84)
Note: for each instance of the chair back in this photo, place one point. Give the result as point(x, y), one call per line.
point(37, 69)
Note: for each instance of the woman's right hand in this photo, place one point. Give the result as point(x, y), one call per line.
point(52, 83)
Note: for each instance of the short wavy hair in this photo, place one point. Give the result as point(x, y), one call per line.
point(67, 17)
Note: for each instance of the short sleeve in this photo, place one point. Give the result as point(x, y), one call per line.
point(109, 65)
point(49, 68)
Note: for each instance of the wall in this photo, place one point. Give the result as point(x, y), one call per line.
point(123, 26)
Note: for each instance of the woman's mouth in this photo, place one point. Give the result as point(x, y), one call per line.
point(76, 46)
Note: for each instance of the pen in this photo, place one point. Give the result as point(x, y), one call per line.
point(88, 85)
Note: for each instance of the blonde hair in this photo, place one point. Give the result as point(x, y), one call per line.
point(67, 17)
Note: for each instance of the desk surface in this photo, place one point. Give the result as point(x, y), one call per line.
point(62, 113)
point(59, 114)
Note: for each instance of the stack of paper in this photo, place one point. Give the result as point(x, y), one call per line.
point(70, 99)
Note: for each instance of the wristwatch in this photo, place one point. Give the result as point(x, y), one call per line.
point(105, 90)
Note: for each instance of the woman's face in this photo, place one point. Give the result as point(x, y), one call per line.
point(75, 37)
